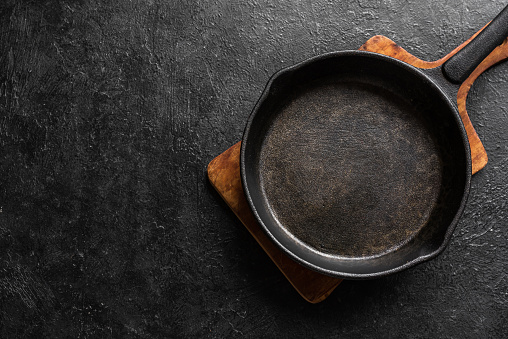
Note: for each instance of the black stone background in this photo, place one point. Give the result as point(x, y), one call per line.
point(110, 112)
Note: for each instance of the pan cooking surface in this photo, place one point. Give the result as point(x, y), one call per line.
point(350, 168)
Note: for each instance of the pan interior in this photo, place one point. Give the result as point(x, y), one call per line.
point(350, 168)
point(356, 164)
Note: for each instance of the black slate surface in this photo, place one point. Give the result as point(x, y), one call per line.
point(110, 112)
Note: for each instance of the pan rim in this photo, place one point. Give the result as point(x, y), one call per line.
point(431, 79)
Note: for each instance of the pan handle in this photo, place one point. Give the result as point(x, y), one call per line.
point(461, 65)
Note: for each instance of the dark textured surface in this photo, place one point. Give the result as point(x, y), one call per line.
point(110, 112)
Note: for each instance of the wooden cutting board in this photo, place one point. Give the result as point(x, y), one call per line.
point(224, 171)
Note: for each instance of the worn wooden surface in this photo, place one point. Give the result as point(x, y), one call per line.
point(110, 112)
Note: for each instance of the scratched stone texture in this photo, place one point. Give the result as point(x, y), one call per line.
point(110, 112)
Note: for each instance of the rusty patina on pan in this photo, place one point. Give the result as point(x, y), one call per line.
point(346, 153)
